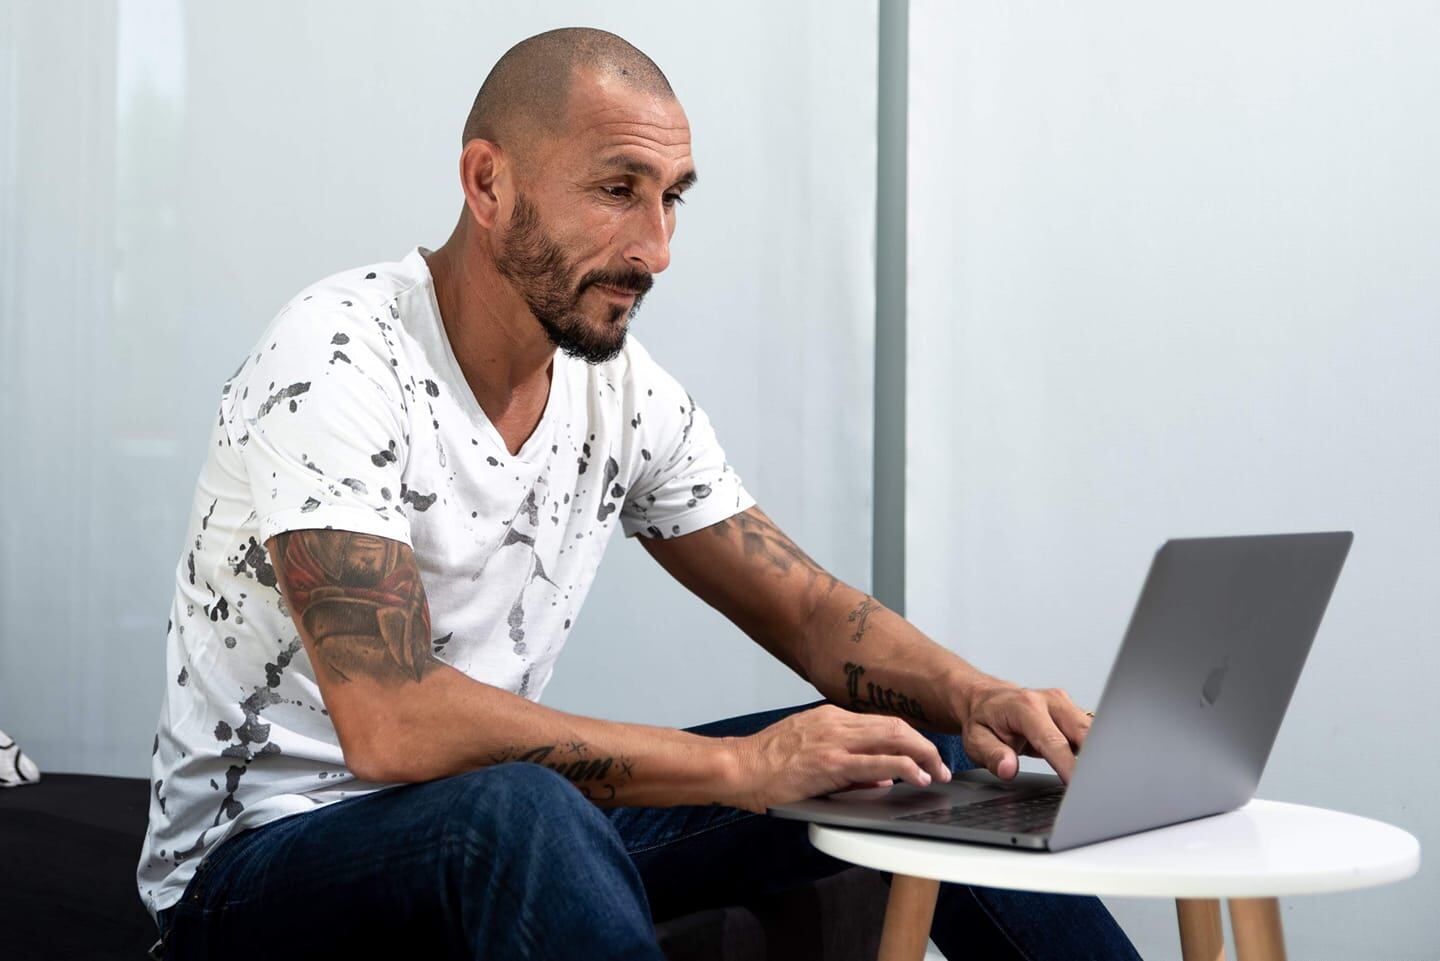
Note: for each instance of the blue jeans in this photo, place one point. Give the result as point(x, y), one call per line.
point(511, 861)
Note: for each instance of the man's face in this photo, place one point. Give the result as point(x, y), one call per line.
point(593, 214)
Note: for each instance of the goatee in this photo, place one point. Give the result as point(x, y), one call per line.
point(536, 266)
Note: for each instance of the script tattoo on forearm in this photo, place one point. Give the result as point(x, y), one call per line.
point(759, 537)
point(878, 699)
point(360, 599)
point(596, 777)
point(860, 617)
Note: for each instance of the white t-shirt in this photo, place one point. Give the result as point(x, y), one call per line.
point(352, 413)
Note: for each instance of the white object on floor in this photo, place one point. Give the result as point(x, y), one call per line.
point(15, 767)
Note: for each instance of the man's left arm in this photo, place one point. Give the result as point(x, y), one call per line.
point(860, 654)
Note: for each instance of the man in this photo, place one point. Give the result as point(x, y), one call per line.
point(408, 490)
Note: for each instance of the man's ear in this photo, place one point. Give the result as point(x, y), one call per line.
point(484, 172)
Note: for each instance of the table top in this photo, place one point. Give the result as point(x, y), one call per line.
point(1265, 849)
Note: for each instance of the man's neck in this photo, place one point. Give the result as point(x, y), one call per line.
point(503, 353)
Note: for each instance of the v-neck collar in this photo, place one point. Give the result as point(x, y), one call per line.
point(535, 446)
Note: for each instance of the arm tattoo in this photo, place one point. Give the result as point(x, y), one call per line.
point(862, 614)
point(761, 538)
point(596, 778)
point(878, 700)
point(361, 601)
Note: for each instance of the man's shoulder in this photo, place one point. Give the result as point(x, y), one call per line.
point(350, 317)
point(632, 369)
point(637, 374)
point(358, 289)
point(360, 299)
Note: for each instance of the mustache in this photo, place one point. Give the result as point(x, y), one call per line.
point(635, 281)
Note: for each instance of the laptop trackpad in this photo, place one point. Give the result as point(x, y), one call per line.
point(965, 787)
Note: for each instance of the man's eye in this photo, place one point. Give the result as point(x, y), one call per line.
point(673, 199)
point(619, 193)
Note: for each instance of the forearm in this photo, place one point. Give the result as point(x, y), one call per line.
point(857, 653)
point(449, 723)
point(865, 657)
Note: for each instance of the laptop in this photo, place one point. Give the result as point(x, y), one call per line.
point(1186, 722)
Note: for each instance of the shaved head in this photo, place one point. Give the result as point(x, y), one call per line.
point(527, 92)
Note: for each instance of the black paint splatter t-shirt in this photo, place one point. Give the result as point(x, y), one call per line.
point(352, 413)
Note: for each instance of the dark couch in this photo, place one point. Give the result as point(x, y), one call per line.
point(69, 846)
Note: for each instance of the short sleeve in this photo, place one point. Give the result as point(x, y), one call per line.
point(685, 483)
point(318, 418)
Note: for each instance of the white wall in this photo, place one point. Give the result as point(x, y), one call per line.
point(1175, 270)
point(170, 173)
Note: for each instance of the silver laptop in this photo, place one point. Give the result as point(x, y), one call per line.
point(1186, 721)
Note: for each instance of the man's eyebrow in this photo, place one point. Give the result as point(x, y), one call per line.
point(642, 168)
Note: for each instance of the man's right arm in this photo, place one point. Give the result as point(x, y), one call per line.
point(401, 714)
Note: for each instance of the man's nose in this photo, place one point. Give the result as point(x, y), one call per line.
point(649, 248)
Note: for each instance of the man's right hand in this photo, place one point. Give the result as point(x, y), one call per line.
point(828, 749)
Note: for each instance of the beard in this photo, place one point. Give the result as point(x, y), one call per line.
point(536, 266)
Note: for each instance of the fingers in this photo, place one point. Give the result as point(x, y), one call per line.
point(890, 735)
point(868, 784)
point(1073, 722)
point(866, 768)
point(1034, 721)
point(999, 759)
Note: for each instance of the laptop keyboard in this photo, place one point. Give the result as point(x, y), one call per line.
point(1027, 814)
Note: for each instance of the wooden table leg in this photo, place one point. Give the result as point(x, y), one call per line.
point(1202, 938)
point(1256, 922)
point(907, 918)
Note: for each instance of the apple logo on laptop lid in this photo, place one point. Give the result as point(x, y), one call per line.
point(1210, 693)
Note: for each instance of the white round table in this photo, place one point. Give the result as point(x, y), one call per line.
point(1250, 856)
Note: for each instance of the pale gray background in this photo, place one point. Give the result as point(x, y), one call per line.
point(1172, 271)
point(1175, 270)
point(170, 174)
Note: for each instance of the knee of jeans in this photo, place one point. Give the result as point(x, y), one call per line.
point(516, 812)
point(525, 794)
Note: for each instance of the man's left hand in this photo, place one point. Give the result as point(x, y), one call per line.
point(1004, 721)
